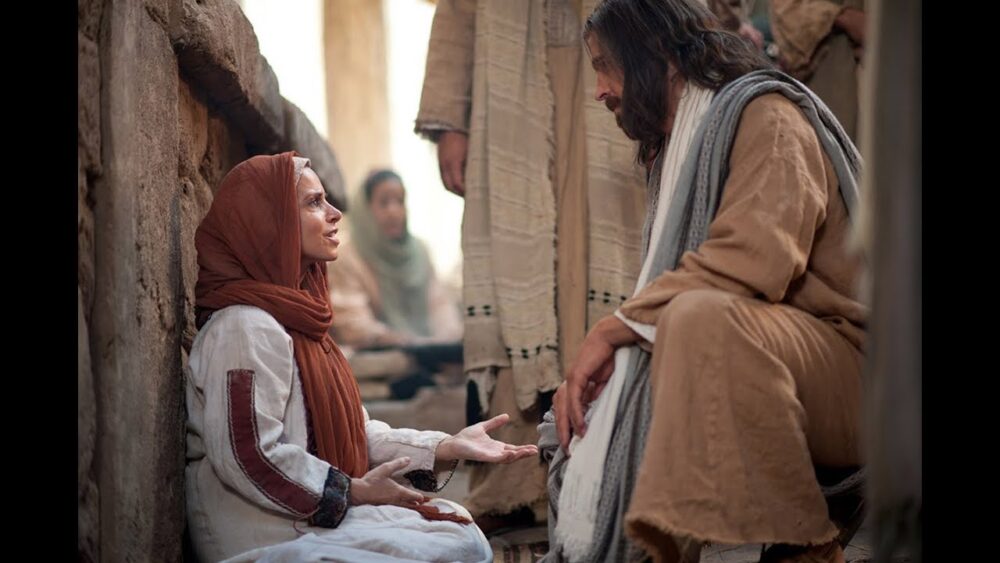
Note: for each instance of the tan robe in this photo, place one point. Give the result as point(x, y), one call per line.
point(757, 356)
point(822, 57)
point(731, 13)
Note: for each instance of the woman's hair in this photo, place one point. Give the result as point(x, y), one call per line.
point(376, 178)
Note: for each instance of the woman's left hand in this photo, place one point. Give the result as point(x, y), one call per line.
point(474, 443)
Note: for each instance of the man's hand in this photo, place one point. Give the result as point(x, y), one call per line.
point(751, 33)
point(453, 149)
point(852, 21)
point(589, 374)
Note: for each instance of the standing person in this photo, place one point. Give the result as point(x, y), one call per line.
point(553, 209)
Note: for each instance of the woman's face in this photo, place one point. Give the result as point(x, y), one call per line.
point(388, 208)
point(318, 220)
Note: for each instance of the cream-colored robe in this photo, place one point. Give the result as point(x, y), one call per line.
point(598, 199)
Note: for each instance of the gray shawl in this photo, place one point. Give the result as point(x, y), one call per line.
point(692, 208)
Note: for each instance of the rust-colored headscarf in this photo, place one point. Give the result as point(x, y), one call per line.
point(249, 253)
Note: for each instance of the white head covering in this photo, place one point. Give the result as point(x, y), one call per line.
point(300, 166)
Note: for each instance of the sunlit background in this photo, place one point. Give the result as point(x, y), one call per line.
point(290, 33)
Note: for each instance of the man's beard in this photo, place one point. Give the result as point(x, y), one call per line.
point(613, 103)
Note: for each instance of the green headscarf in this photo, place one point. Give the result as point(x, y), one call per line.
point(401, 267)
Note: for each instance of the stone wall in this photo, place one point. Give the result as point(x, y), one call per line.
point(172, 94)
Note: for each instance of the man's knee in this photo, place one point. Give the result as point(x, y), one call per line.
point(694, 311)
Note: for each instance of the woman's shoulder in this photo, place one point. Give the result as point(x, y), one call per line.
point(243, 319)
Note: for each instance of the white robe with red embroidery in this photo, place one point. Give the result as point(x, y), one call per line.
point(250, 480)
